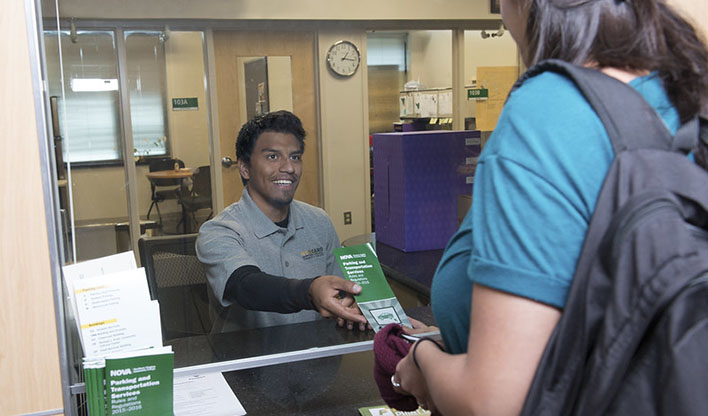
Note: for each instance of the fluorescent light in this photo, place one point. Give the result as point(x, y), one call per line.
point(94, 84)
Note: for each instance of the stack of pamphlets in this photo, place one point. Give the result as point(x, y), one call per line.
point(376, 300)
point(130, 383)
point(127, 371)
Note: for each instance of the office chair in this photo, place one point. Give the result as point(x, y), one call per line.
point(177, 280)
point(199, 197)
point(172, 188)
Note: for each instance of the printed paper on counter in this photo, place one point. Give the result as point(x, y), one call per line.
point(205, 395)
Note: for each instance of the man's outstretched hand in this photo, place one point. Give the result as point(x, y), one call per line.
point(350, 303)
point(325, 292)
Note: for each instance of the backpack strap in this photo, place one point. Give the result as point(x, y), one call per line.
point(630, 121)
point(701, 150)
point(686, 137)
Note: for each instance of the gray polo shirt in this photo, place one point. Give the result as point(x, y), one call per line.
point(242, 235)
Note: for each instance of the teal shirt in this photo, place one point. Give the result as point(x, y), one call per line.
point(536, 185)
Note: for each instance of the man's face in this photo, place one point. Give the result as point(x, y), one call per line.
point(274, 171)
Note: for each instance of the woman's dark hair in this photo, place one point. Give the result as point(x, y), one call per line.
point(626, 34)
point(277, 121)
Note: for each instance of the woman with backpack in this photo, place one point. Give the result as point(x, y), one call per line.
point(502, 283)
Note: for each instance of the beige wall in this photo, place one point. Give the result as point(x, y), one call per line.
point(696, 11)
point(345, 143)
point(29, 358)
point(430, 55)
point(189, 132)
point(280, 83)
point(496, 51)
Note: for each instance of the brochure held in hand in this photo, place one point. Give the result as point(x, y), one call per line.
point(376, 300)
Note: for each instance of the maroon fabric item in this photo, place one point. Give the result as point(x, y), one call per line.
point(389, 349)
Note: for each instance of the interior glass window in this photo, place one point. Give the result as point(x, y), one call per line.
point(87, 79)
point(145, 53)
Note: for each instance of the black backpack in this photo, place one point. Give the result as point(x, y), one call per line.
point(633, 337)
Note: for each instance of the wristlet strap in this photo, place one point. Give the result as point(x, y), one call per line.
point(420, 341)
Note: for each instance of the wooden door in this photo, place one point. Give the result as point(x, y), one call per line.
point(299, 46)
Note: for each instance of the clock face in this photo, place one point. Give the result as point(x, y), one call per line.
point(343, 58)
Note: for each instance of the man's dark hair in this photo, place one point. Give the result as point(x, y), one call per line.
point(278, 121)
point(625, 34)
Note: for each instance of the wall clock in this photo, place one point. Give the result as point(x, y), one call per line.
point(343, 58)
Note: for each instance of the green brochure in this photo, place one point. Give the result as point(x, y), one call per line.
point(376, 300)
point(94, 382)
point(89, 382)
point(140, 383)
point(384, 410)
point(101, 381)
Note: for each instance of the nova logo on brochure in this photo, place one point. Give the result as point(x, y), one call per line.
point(140, 384)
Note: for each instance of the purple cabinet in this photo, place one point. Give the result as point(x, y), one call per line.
point(417, 179)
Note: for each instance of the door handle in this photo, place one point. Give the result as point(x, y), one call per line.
point(227, 162)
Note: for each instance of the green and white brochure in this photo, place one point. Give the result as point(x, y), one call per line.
point(140, 383)
point(376, 300)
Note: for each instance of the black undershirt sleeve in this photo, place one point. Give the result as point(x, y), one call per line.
point(255, 290)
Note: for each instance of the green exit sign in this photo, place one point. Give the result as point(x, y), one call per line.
point(185, 104)
point(477, 93)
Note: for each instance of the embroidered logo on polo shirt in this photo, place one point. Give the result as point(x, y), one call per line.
point(312, 253)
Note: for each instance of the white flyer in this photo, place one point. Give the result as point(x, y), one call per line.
point(115, 313)
point(92, 268)
point(205, 395)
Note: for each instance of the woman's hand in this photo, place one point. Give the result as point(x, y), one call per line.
point(418, 327)
point(411, 381)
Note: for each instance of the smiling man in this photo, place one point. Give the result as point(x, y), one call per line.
point(269, 257)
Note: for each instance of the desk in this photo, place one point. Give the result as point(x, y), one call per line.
point(176, 175)
point(251, 348)
point(337, 385)
point(170, 174)
point(310, 368)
